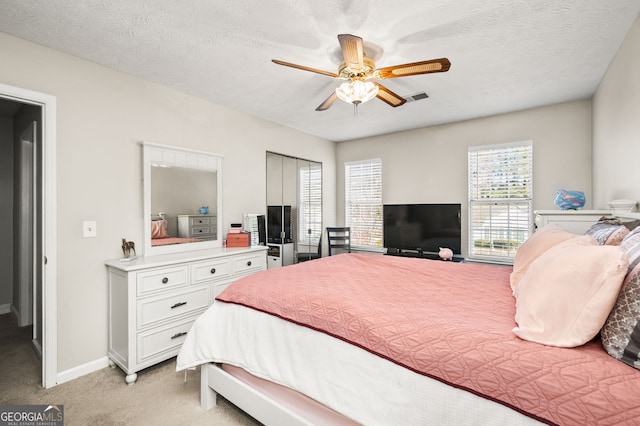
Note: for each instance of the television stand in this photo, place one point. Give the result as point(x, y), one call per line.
point(422, 255)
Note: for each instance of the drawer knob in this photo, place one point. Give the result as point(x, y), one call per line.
point(177, 305)
point(249, 263)
point(165, 280)
point(175, 336)
point(213, 270)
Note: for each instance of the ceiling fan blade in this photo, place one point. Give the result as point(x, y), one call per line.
point(302, 67)
point(389, 97)
point(327, 102)
point(352, 50)
point(415, 68)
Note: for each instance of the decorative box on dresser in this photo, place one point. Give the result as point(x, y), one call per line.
point(154, 300)
point(576, 221)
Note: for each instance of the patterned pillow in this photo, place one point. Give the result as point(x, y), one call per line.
point(607, 233)
point(621, 331)
point(632, 225)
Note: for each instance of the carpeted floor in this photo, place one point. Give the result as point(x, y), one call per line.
point(159, 397)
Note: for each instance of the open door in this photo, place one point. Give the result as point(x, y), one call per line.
point(38, 144)
point(25, 238)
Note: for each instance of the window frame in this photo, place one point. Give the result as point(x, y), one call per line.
point(310, 204)
point(373, 228)
point(514, 210)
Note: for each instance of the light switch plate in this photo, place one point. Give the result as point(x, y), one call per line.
point(89, 228)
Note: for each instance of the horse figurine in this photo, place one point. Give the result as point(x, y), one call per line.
point(127, 247)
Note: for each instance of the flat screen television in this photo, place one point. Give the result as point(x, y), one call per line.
point(276, 223)
point(422, 227)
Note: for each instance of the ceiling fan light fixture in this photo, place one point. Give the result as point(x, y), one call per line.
point(357, 91)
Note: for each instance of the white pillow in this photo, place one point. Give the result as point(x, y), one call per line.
point(567, 293)
point(541, 241)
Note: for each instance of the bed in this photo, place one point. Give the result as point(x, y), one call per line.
point(370, 339)
point(160, 236)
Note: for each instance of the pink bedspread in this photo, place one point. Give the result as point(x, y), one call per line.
point(449, 321)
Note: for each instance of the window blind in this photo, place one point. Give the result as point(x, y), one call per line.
point(363, 202)
point(500, 199)
point(310, 196)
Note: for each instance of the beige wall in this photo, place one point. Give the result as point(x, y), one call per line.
point(102, 115)
point(430, 165)
point(616, 126)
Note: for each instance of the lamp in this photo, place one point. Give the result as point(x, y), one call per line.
point(356, 92)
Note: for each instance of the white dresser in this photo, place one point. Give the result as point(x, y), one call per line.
point(197, 226)
point(154, 300)
point(576, 221)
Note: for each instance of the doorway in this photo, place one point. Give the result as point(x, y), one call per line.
point(27, 143)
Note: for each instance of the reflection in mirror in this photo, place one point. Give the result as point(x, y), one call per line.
point(182, 199)
point(294, 209)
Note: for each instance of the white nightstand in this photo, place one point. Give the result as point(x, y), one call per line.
point(576, 221)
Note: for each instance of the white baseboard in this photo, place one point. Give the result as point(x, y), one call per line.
point(5, 309)
point(81, 370)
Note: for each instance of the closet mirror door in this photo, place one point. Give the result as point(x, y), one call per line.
point(294, 209)
point(281, 196)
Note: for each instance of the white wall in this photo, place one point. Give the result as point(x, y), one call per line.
point(616, 126)
point(429, 165)
point(102, 115)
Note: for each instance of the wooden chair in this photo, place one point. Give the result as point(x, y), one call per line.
point(339, 238)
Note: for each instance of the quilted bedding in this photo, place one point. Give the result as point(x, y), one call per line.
point(451, 322)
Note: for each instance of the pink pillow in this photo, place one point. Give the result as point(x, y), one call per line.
point(541, 241)
point(566, 294)
point(159, 229)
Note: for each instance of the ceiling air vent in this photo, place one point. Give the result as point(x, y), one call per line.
point(416, 97)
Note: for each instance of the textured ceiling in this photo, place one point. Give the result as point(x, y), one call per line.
point(506, 55)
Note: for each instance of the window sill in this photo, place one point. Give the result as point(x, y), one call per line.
point(368, 249)
point(499, 262)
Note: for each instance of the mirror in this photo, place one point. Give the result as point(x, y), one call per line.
point(294, 209)
point(182, 192)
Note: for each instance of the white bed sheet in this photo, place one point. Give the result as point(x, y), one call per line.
point(364, 387)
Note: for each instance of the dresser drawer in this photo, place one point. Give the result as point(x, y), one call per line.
point(201, 231)
point(162, 342)
point(250, 263)
point(161, 279)
point(199, 221)
point(210, 270)
point(163, 308)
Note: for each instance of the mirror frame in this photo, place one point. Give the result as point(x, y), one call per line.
point(178, 157)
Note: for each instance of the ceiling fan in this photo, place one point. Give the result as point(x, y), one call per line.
point(359, 70)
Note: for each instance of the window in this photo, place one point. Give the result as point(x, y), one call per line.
point(363, 203)
point(500, 200)
point(310, 196)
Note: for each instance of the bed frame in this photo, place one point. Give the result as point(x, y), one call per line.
point(261, 407)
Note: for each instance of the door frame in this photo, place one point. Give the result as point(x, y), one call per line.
point(48, 204)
